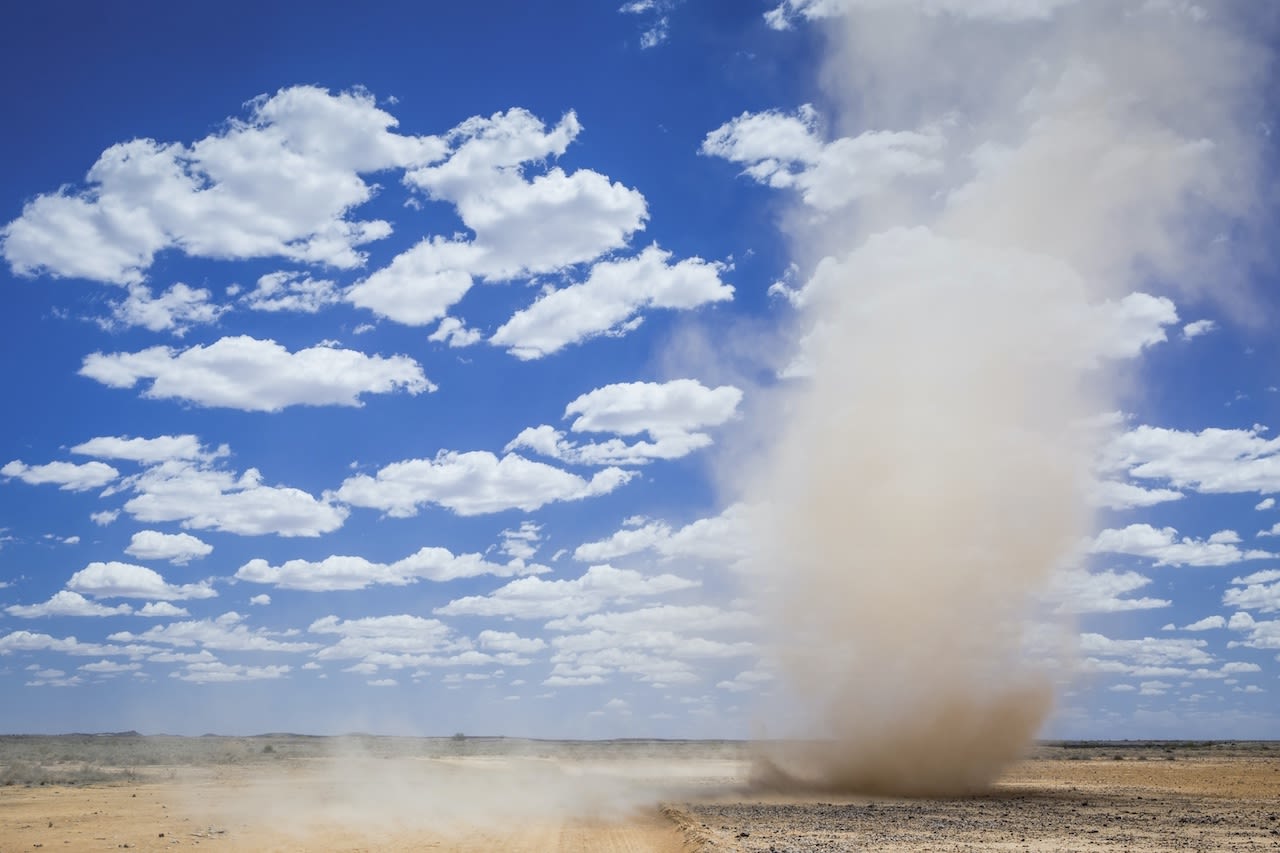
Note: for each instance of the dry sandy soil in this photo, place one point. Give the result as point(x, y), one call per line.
point(287, 793)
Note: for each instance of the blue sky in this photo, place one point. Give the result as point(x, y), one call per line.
point(426, 369)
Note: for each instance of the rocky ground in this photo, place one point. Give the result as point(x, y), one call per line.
point(1139, 797)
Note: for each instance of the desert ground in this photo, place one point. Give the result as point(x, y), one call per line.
point(287, 793)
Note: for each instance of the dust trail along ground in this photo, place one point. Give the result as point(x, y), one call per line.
point(156, 816)
point(298, 793)
point(931, 467)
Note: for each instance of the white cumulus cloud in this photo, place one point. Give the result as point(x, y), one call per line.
point(787, 151)
point(125, 580)
point(722, 538)
point(656, 408)
point(1213, 461)
point(175, 310)
point(506, 641)
point(473, 483)
point(208, 498)
point(1208, 623)
point(528, 224)
point(1146, 652)
point(226, 633)
point(257, 375)
point(781, 16)
point(395, 641)
point(178, 548)
point(66, 603)
point(148, 450)
point(1165, 547)
point(109, 667)
point(421, 284)
point(68, 476)
point(1263, 597)
point(161, 610)
point(609, 301)
point(1123, 328)
point(630, 539)
point(657, 27)
point(292, 291)
point(522, 542)
point(680, 618)
point(670, 413)
point(1117, 494)
point(1198, 328)
point(454, 332)
point(523, 224)
point(341, 572)
point(217, 672)
point(279, 183)
point(535, 598)
point(1081, 591)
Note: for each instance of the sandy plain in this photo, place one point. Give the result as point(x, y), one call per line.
point(290, 793)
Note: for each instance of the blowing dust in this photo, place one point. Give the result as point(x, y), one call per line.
point(963, 324)
point(483, 794)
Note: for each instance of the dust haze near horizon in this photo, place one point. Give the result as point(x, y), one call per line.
point(1014, 175)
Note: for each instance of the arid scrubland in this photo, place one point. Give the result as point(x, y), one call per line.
point(289, 792)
